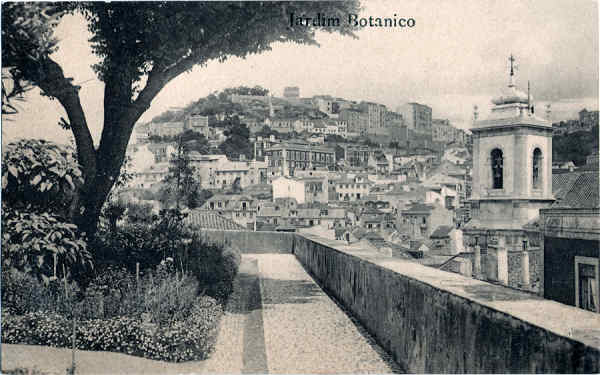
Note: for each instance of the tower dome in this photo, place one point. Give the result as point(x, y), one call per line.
point(511, 95)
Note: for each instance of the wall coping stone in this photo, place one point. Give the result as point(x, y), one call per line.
point(563, 320)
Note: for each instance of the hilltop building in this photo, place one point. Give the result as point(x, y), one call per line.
point(198, 124)
point(291, 92)
point(417, 118)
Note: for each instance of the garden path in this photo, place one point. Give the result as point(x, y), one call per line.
point(278, 320)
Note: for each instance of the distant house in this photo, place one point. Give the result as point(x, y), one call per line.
point(417, 249)
point(563, 166)
point(419, 220)
point(441, 241)
point(241, 209)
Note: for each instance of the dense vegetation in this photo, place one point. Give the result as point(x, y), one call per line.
point(576, 146)
point(149, 286)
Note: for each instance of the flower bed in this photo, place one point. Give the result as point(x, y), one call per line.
point(190, 339)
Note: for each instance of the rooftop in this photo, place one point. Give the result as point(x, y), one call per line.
point(442, 231)
point(576, 189)
point(209, 220)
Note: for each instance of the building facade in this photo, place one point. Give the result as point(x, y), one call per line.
point(511, 182)
point(198, 124)
point(417, 118)
point(288, 156)
point(302, 189)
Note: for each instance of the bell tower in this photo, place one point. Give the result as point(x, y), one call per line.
point(512, 169)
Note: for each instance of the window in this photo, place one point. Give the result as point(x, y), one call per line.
point(497, 168)
point(537, 167)
point(586, 283)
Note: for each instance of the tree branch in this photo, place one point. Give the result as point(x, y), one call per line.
point(53, 83)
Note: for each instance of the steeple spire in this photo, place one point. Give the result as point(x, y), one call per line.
point(512, 60)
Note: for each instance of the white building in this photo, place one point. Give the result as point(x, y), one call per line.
point(216, 171)
point(352, 187)
point(303, 189)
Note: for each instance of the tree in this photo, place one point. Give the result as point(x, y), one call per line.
point(181, 183)
point(237, 142)
point(142, 47)
point(29, 27)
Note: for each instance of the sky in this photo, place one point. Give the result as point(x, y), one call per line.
point(455, 57)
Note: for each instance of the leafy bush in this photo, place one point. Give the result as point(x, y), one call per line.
point(189, 339)
point(41, 175)
point(167, 296)
point(23, 293)
point(126, 246)
point(30, 241)
point(215, 266)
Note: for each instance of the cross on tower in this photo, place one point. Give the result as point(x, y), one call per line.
point(512, 60)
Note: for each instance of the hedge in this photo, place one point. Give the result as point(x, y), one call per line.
point(185, 340)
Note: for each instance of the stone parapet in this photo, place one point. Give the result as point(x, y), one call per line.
point(433, 321)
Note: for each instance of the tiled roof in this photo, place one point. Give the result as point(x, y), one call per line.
point(441, 232)
point(208, 220)
point(576, 189)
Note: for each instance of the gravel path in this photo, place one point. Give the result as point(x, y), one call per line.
point(305, 331)
point(278, 320)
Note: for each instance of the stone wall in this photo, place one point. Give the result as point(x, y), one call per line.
point(438, 322)
point(253, 242)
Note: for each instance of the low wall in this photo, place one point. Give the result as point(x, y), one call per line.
point(253, 242)
point(439, 322)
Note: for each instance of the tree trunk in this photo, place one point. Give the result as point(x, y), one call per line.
point(100, 167)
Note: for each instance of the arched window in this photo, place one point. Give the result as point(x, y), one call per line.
point(497, 167)
point(537, 168)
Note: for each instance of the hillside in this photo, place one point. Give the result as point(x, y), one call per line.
point(219, 103)
point(575, 147)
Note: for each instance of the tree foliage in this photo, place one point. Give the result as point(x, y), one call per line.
point(237, 142)
point(25, 26)
point(142, 47)
point(40, 185)
point(40, 176)
point(31, 240)
point(181, 186)
point(575, 147)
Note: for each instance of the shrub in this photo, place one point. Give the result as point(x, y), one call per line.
point(22, 293)
point(214, 265)
point(42, 175)
point(31, 240)
point(191, 338)
point(168, 297)
point(126, 246)
point(105, 295)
